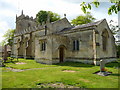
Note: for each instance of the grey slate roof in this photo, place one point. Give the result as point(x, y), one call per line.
point(89, 24)
point(65, 29)
point(83, 25)
point(28, 30)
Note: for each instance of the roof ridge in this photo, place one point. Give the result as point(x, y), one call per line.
point(59, 20)
point(100, 21)
point(89, 24)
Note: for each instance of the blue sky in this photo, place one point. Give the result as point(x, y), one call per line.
point(9, 9)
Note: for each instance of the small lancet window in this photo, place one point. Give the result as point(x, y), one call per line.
point(76, 45)
point(45, 30)
point(43, 46)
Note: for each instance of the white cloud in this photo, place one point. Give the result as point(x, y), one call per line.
point(3, 28)
point(79, 1)
point(31, 7)
point(59, 6)
point(7, 13)
point(12, 2)
point(1, 38)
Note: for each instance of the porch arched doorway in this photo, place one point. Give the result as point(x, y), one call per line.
point(61, 53)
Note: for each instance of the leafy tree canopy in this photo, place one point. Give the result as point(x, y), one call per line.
point(8, 37)
point(115, 7)
point(83, 19)
point(42, 16)
point(114, 28)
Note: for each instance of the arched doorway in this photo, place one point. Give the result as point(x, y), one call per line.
point(61, 53)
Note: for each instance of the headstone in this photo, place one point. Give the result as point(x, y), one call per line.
point(102, 65)
point(102, 71)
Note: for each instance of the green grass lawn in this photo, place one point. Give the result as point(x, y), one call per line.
point(48, 76)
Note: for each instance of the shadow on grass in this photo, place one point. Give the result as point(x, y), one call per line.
point(11, 61)
point(113, 64)
point(79, 64)
point(115, 74)
point(74, 64)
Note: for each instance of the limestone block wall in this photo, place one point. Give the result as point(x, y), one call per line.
point(16, 44)
point(110, 49)
point(85, 52)
point(37, 33)
point(27, 45)
point(85, 44)
point(24, 22)
point(21, 47)
point(33, 45)
point(43, 56)
point(57, 42)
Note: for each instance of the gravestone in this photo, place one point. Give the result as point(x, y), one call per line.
point(102, 69)
point(102, 65)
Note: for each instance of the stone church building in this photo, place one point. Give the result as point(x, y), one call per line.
point(60, 41)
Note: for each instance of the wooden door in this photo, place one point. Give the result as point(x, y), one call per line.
point(61, 54)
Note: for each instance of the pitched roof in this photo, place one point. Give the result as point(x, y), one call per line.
point(83, 25)
point(89, 24)
point(63, 19)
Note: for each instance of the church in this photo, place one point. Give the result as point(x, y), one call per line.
point(59, 41)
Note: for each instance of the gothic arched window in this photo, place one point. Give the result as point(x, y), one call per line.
point(105, 39)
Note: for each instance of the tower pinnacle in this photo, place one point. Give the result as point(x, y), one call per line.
point(64, 15)
point(22, 12)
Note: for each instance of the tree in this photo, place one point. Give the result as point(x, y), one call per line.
point(114, 28)
point(113, 8)
point(8, 37)
point(43, 15)
point(83, 19)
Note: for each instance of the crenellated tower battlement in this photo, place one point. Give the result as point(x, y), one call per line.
point(24, 22)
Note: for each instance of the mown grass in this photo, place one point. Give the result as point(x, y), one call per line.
point(83, 76)
point(29, 64)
